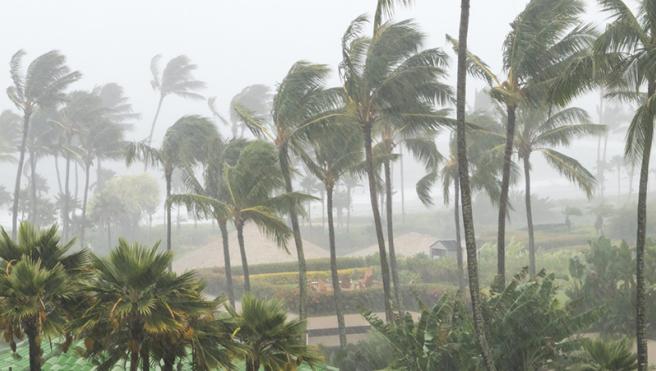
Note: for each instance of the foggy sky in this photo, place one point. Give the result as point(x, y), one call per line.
point(236, 43)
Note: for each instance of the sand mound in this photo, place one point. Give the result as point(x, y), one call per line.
point(408, 244)
point(259, 250)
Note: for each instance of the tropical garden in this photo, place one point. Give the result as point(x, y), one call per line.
point(312, 170)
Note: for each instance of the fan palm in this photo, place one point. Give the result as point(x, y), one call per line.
point(135, 299)
point(271, 340)
point(547, 41)
point(300, 102)
point(631, 36)
point(610, 355)
point(334, 153)
point(42, 85)
point(185, 143)
point(389, 78)
point(39, 287)
point(176, 79)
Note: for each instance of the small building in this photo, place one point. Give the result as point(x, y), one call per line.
point(443, 249)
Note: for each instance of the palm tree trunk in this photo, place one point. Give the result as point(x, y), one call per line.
point(167, 206)
point(348, 209)
point(459, 256)
point(283, 157)
point(402, 173)
point(463, 170)
point(390, 232)
point(59, 181)
point(239, 225)
point(152, 126)
point(169, 361)
point(373, 198)
point(65, 213)
point(226, 260)
point(145, 358)
point(337, 291)
point(19, 173)
point(85, 198)
point(34, 341)
point(323, 211)
point(503, 200)
point(33, 216)
point(134, 361)
point(603, 168)
point(529, 216)
point(77, 183)
point(641, 299)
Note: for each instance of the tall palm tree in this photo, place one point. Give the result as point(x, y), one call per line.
point(134, 299)
point(39, 287)
point(249, 201)
point(333, 153)
point(463, 172)
point(300, 102)
point(254, 98)
point(540, 130)
point(484, 169)
point(546, 41)
point(389, 78)
point(176, 79)
point(185, 143)
point(271, 340)
point(42, 85)
point(631, 36)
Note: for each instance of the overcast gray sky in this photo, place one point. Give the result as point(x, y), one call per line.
point(234, 43)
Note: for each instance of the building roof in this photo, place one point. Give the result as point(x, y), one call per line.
point(450, 245)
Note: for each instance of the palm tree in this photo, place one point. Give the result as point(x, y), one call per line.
point(185, 143)
point(334, 153)
point(546, 41)
point(42, 85)
point(254, 98)
point(249, 201)
point(463, 172)
point(134, 298)
point(388, 78)
point(631, 37)
point(483, 166)
point(540, 130)
point(309, 185)
point(271, 340)
point(606, 355)
point(299, 103)
point(39, 287)
point(569, 212)
point(176, 79)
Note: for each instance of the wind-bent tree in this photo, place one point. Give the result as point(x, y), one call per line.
point(185, 144)
point(214, 188)
point(463, 172)
point(176, 79)
point(540, 130)
point(272, 341)
point(389, 78)
point(333, 153)
point(42, 85)
point(631, 37)
point(546, 41)
point(250, 201)
point(39, 287)
point(484, 169)
point(300, 102)
point(254, 98)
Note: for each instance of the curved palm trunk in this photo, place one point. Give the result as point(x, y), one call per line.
point(337, 291)
point(33, 216)
point(641, 299)
point(529, 217)
point(459, 256)
point(298, 241)
point(167, 177)
point(503, 200)
point(85, 198)
point(34, 342)
point(152, 126)
point(390, 232)
point(239, 226)
point(226, 261)
point(58, 173)
point(19, 173)
point(373, 197)
point(463, 170)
